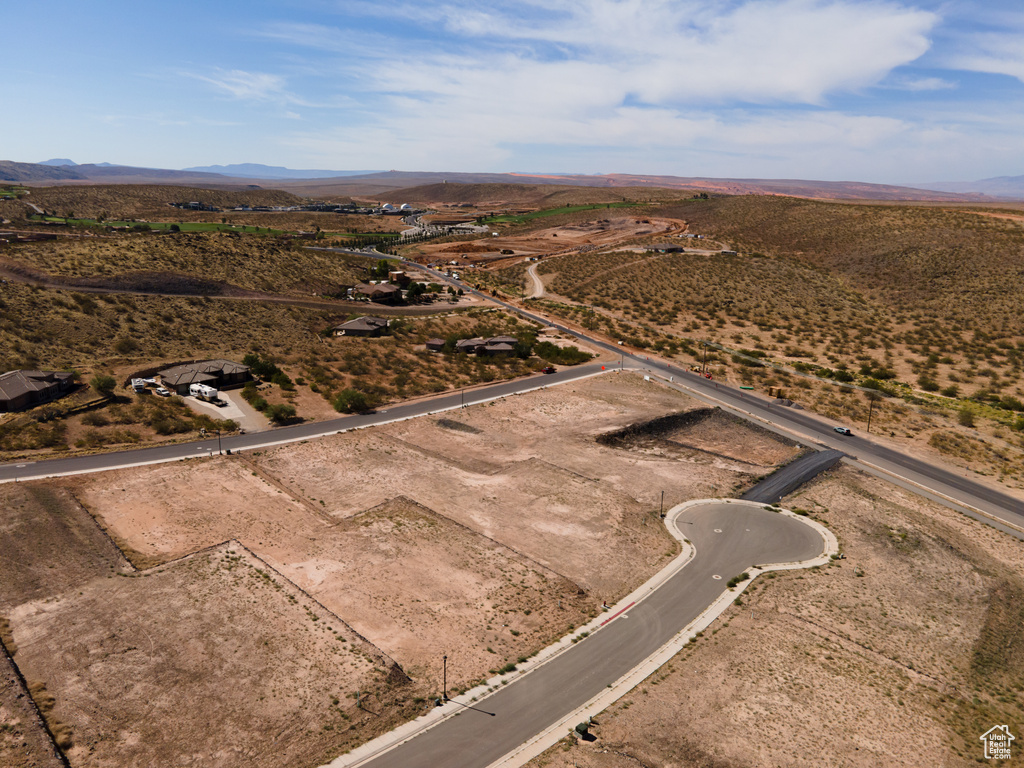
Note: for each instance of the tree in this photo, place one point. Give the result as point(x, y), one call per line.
point(415, 292)
point(103, 384)
point(280, 412)
point(351, 401)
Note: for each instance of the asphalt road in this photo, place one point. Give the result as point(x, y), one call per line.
point(949, 487)
point(728, 538)
point(779, 484)
point(173, 452)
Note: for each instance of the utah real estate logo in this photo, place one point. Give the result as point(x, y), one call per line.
point(997, 742)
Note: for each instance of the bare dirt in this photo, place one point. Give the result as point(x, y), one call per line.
point(24, 742)
point(901, 654)
point(548, 241)
point(506, 521)
point(250, 646)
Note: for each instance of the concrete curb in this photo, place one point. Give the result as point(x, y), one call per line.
point(642, 671)
point(208, 452)
point(619, 688)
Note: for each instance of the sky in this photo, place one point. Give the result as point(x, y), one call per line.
point(856, 90)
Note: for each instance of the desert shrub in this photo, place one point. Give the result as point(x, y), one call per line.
point(282, 380)
point(279, 413)
point(966, 416)
point(351, 401)
point(95, 419)
point(170, 425)
point(103, 384)
point(126, 345)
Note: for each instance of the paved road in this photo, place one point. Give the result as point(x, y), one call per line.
point(780, 484)
point(99, 462)
point(729, 538)
point(949, 487)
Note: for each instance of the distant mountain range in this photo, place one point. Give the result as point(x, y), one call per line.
point(1009, 187)
point(258, 171)
point(328, 182)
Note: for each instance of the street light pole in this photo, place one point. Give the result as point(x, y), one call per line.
point(444, 694)
point(704, 361)
point(220, 450)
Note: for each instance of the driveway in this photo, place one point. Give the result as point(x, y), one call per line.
point(237, 409)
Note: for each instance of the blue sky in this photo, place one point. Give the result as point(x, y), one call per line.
point(878, 91)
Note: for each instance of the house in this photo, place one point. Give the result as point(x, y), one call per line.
point(470, 346)
point(23, 389)
point(435, 345)
point(362, 326)
point(501, 348)
point(220, 374)
point(383, 293)
point(399, 277)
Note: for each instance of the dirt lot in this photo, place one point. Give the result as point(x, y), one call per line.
point(252, 648)
point(600, 233)
point(511, 522)
point(23, 739)
point(902, 654)
point(508, 521)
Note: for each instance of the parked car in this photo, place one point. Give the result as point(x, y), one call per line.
point(843, 431)
point(163, 391)
point(548, 369)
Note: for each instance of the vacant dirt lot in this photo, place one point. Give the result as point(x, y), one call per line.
point(23, 739)
point(599, 233)
point(252, 649)
point(902, 654)
point(49, 544)
point(482, 534)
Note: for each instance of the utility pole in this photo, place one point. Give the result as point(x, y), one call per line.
point(220, 450)
point(704, 361)
point(444, 694)
point(662, 503)
point(871, 407)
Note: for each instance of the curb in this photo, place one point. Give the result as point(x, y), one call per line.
point(555, 732)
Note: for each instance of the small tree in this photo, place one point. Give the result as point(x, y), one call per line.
point(103, 384)
point(351, 401)
point(280, 413)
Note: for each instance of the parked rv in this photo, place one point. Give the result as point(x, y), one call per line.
point(203, 392)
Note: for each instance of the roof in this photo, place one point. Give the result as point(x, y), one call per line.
point(202, 372)
point(367, 323)
point(469, 343)
point(499, 347)
point(373, 290)
point(183, 374)
point(503, 340)
point(14, 384)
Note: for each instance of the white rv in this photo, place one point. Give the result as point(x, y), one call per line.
point(202, 391)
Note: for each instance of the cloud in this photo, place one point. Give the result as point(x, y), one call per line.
point(244, 85)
